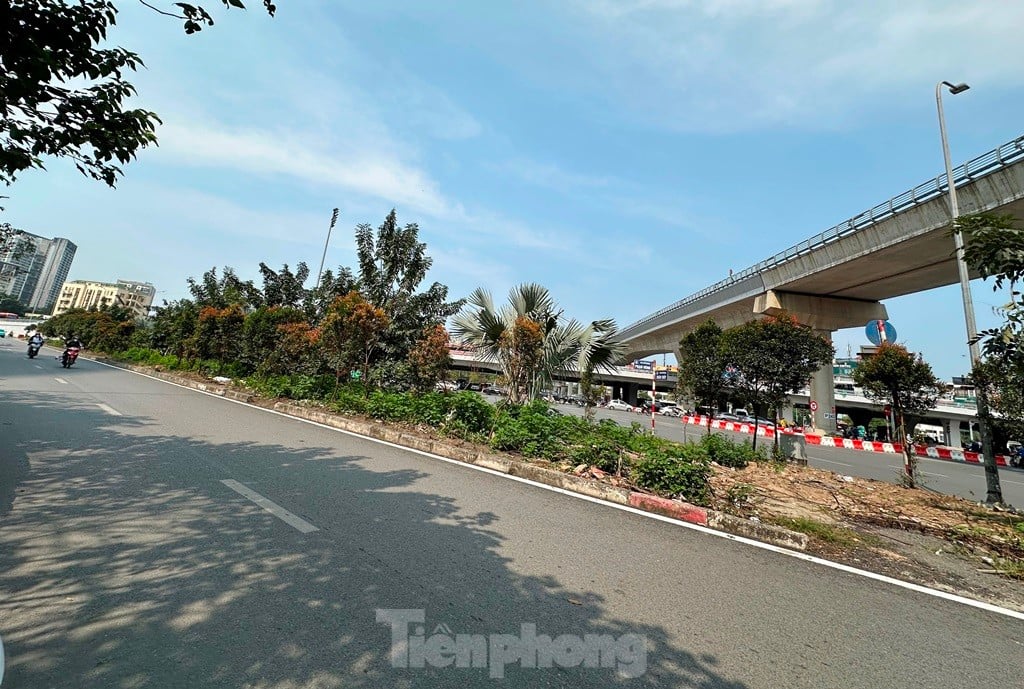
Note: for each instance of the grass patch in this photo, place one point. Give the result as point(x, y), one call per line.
point(1013, 569)
point(827, 533)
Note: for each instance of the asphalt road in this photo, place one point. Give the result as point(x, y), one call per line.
point(952, 478)
point(130, 556)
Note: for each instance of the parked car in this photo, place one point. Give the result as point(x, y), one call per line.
point(447, 385)
point(475, 387)
point(619, 405)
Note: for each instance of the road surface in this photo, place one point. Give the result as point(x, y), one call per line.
point(152, 536)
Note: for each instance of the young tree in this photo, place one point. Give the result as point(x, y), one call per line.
point(392, 265)
point(64, 95)
point(430, 358)
point(896, 377)
point(284, 287)
point(350, 333)
point(702, 364)
point(994, 247)
point(521, 350)
point(295, 350)
point(219, 333)
point(174, 326)
point(773, 357)
point(260, 333)
point(225, 291)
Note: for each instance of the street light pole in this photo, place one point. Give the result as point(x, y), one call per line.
point(994, 491)
point(319, 273)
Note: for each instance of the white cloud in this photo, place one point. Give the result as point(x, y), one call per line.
point(286, 153)
point(721, 65)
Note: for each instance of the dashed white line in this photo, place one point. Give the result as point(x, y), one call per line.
point(61, 381)
point(298, 523)
point(39, 367)
point(110, 410)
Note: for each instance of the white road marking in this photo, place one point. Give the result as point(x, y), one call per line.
point(1006, 480)
point(38, 366)
point(281, 513)
point(110, 410)
point(61, 381)
point(623, 508)
point(829, 461)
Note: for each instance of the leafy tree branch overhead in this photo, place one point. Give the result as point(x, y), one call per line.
point(62, 95)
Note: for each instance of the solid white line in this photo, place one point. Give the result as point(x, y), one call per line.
point(624, 508)
point(107, 408)
point(61, 381)
point(281, 513)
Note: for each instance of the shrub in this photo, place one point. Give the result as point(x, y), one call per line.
point(729, 454)
point(684, 474)
point(468, 414)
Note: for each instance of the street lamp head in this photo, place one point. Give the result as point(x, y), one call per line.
point(956, 88)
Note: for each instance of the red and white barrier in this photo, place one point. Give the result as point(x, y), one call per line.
point(954, 455)
point(851, 444)
point(946, 453)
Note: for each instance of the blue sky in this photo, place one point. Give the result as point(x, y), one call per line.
point(624, 154)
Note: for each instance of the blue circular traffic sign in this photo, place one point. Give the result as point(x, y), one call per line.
point(880, 331)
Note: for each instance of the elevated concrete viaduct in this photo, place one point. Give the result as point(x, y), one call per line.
point(838, 279)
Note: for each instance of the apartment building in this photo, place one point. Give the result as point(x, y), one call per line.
point(86, 294)
point(33, 269)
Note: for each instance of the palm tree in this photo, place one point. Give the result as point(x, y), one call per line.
point(503, 335)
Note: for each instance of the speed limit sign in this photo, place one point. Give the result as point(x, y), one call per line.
point(814, 406)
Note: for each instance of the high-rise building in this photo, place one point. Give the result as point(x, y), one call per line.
point(33, 268)
point(85, 294)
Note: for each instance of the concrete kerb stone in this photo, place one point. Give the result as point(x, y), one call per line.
point(675, 509)
point(577, 484)
point(768, 533)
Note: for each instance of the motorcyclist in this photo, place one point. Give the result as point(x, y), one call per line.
point(73, 341)
point(36, 339)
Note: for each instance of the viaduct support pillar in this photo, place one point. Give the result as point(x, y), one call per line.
point(823, 393)
point(824, 315)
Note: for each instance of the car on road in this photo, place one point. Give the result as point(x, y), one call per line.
point(619, 405)
point(726, 416)
point(672, 410)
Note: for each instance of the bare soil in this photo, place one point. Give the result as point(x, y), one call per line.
point(916, 535)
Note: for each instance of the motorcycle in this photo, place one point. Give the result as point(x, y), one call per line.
point(33, 349)
point(70, 355)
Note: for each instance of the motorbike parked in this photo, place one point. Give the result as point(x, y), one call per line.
point(69, 357)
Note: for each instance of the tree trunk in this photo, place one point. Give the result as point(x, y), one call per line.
point(908, 448)
point(993, 489)
point(755, 430)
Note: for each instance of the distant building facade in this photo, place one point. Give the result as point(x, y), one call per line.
point(34, 274)
point(85, 294)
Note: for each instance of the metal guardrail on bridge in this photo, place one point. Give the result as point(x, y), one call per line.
point(981, 166)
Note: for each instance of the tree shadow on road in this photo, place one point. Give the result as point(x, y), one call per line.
point(125, 562)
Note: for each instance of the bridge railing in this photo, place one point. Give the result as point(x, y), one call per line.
point(983, 165)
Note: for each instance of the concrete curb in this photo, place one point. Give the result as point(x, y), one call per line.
point(676, 509)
